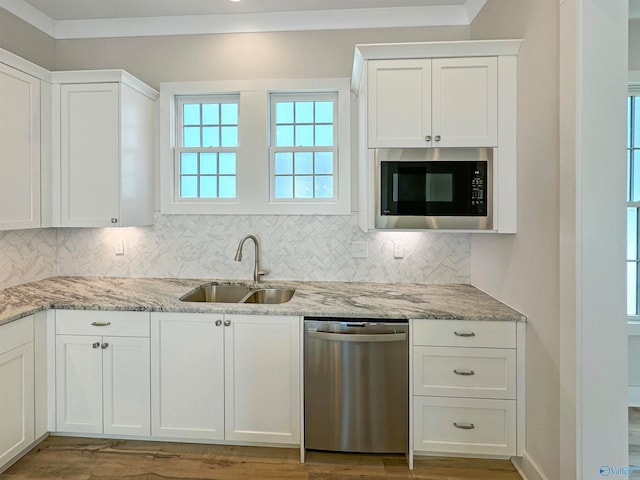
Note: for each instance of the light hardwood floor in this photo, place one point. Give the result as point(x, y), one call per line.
point(97, 459)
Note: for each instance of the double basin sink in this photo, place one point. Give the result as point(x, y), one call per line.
point(238, 294)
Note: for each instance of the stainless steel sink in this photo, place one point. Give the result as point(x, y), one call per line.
point(238, 294)
point(270, 295)
point(217, 294)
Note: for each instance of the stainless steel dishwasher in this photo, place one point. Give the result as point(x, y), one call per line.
point(356, 385)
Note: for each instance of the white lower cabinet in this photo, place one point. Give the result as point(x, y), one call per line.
point(231, 377)
point(465, 387)
point(17, 405)
point(102, 381)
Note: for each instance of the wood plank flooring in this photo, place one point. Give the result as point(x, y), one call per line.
point(68, 458)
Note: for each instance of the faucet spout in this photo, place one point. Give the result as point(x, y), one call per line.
point(257, 272)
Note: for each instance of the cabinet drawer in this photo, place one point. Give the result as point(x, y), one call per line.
point(464, 425)
point(465, 372)
point(98, 322)
point(464, 333)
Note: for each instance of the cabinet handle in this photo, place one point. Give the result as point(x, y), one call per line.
point(104, 345)
point(464, 334)
point(464, 373)
point(218, 323)
point(427, 138)
point(100, 324)
point(114, 220)
point(227, 323)
point(437, 138)
point(464, 425)
point(96, 345)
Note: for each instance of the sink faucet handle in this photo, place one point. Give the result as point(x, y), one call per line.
point(262, 273)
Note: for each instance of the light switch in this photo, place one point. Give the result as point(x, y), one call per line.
point(398, 250)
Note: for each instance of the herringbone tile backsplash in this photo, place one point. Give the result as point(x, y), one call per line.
point(292, 248)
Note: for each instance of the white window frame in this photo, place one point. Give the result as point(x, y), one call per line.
point(253, 167)
point(180, 100)
point(273, 149)
point(634, 90)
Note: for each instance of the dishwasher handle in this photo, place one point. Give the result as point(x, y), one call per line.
point(353, 337)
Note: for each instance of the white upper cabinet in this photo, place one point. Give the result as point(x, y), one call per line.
point(444, 102)
point(20, 144)
point(104, 122)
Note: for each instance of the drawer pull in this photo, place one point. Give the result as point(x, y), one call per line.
point(100, 324)
point(104, 346)
point(464, 426)
point(465, 373)
point(96, 345)
point(464, 334)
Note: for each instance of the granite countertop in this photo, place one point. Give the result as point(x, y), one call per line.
point(329, 299)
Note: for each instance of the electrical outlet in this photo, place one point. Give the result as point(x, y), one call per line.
point(118, 247)
point(398, 250)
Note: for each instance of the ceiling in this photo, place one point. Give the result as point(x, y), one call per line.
point(113, 18)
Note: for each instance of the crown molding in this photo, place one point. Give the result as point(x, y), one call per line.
point(427, 16)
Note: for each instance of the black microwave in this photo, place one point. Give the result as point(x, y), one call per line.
point(434, 189)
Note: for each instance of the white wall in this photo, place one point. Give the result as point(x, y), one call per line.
point(522, 269)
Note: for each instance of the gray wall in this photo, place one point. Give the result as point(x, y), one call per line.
point(634, 44)
point(26, 41)
point(522, 270)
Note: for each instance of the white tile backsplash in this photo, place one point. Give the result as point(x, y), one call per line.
point(292, 248)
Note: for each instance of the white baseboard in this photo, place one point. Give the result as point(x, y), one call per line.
point(527, 468)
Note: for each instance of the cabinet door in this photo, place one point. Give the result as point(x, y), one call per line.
point(16, 401)
point(399, 103)
point(20, 144)
point(126, 385)
point(465, 102)
point(78, 383)
point(262, 379)
point(187, 376)
point(90, 146)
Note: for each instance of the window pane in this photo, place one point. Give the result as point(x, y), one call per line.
point(191, 114)
point(304, 135)
point(324, 135)
point(632, 288)
point(324, 186)
point(227, 187)
point(210, 136)
point(628, 175)
point(304, 112)
point(303, 186)
point(629, 103)
point(191, 137)
point(635, 174)
point(636, 123)
point(208, 163)
point(284, 187)
point(303, 163)
point(284, 136)
point(211, 114)
point(227, 165)
point(189, 187)
point(283, 163)
point(324, 112)
point(323, 163)
point(189, 163)
point(229, 113)
point(284, 112)
point(208, 187)
point(229, 136)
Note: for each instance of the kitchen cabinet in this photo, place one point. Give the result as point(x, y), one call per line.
point(20, 118)
point(104, 125)
point(17, 404)
point(231, 377)
point(102, 372)
point(464, 386)
point(442, 102)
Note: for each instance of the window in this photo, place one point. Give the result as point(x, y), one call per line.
point(303, 146)
point(633, 204)
point(206, 146)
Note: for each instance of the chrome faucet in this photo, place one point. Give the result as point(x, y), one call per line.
point(257, 273)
